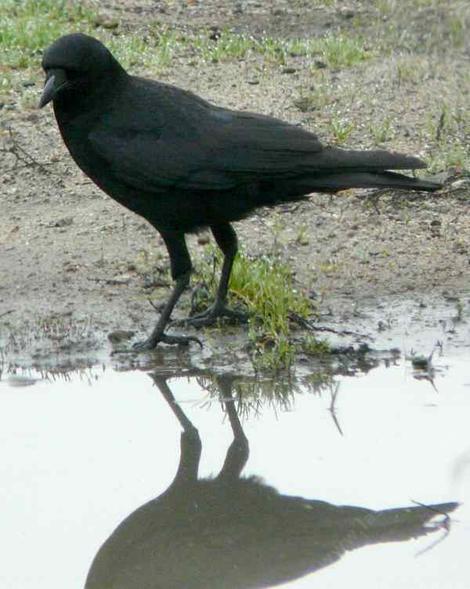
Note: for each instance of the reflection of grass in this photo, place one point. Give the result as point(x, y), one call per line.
point(266, 287)
point(252, 394)
point(43, 338)
point(315, 347)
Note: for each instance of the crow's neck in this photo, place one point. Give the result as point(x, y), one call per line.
point(92, 98)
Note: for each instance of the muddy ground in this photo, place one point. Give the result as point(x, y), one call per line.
point(389, 270)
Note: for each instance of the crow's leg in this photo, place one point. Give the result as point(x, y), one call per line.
point(239, 450)
point(191, 446)
point(180, 272)
point(226, 239)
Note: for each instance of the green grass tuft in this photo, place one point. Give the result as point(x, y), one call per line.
point(447, 130)
point(381, 131)
point(265, 286)
point(315, 347)
point(153, 52)
point(227, 46)
point(317, 98)
point(340, 51)
point(341, 129)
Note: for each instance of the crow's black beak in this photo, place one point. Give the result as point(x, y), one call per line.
point(56, 80)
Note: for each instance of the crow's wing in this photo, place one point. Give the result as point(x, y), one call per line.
point(188, 144)
point(250, 144)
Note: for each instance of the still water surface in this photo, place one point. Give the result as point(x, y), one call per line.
point(82, 453)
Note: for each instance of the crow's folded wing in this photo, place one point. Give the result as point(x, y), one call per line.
point(215, 151)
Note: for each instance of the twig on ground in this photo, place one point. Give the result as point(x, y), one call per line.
point(306, 324)
point(332, 408)
point(21, 155)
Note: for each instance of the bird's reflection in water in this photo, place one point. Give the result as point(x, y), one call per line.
point(230, 532)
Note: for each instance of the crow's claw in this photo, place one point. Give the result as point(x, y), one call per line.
point(152, 342)
point(211, 316)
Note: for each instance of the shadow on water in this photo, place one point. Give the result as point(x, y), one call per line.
point(231, 532)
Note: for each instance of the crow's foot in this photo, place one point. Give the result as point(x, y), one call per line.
point(213, 314)
point(152, 342)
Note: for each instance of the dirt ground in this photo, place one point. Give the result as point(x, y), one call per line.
point(75, 266)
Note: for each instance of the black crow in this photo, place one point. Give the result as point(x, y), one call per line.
point(183, 163)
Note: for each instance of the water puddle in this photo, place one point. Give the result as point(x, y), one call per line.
point(221, 482)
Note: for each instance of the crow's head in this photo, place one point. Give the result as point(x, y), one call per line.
point(76, 64)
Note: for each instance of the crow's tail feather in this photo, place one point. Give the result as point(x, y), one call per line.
point(377, 160)
point(332, 182)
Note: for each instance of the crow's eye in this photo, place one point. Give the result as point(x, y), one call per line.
point(74, 75)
